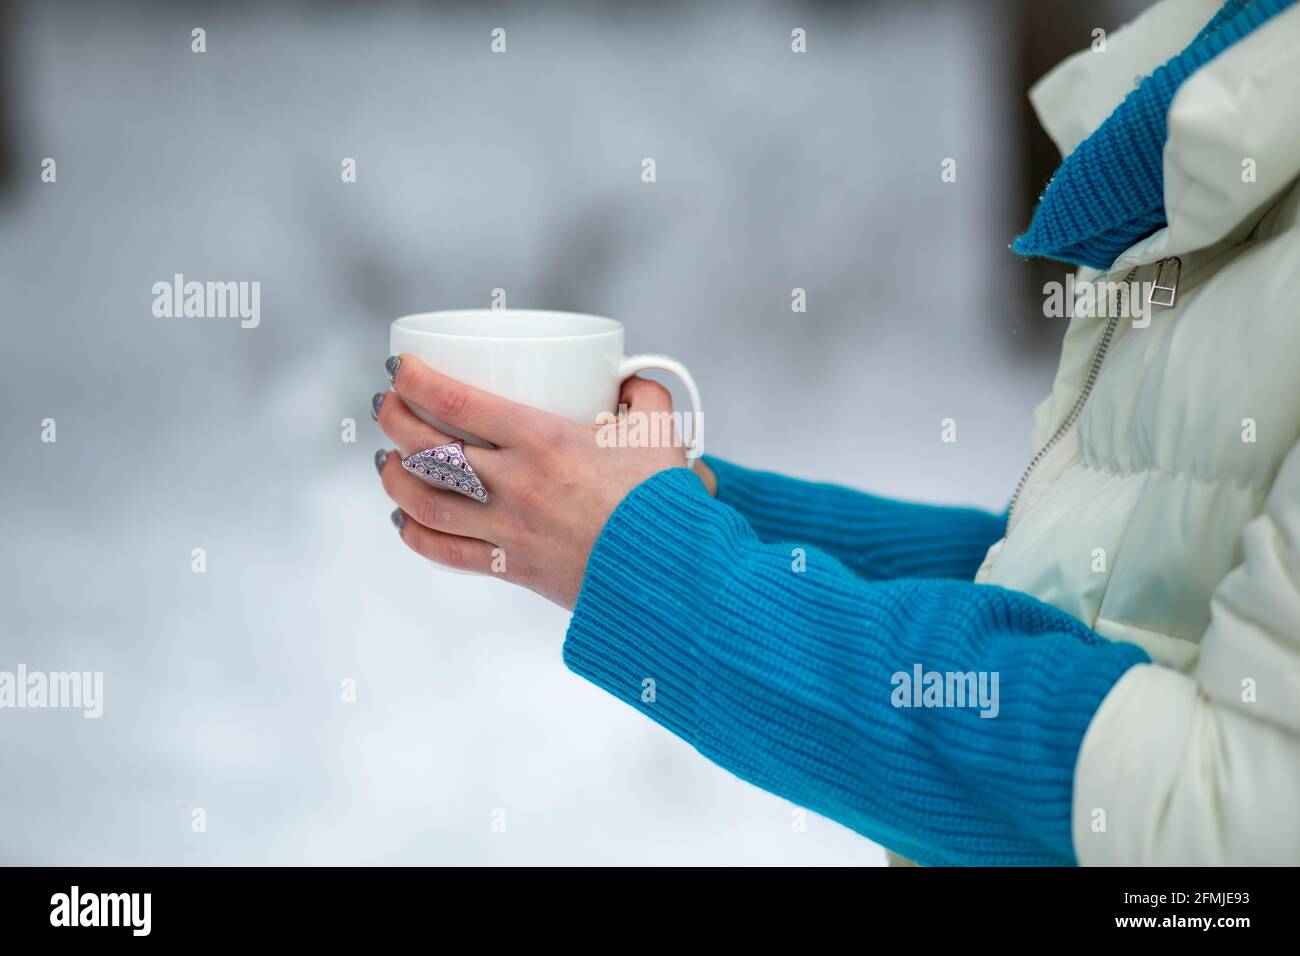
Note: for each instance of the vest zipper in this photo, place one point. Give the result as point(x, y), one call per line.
point(1167, 293)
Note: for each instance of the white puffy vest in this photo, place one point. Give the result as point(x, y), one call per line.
point(1166, 511)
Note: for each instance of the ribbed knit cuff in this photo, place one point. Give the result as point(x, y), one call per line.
point(880, 538)
point(651, 580)
point(788, 675)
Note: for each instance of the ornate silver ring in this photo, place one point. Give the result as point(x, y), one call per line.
point(446, 467)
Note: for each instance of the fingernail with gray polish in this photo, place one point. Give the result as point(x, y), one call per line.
point(391, 365)
point(399, 520)
point(381, 459)
point(376, 404)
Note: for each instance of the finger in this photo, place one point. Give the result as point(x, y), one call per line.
point(463, 554)
point(649, 416)
point(707, 476)
point(462, 406)
point(411, 434)
point(438, 509)
point(643, 395)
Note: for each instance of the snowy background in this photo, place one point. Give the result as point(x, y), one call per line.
point(520, 171)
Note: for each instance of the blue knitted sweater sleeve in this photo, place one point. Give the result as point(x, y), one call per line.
point(878, 538)
point(801, 680)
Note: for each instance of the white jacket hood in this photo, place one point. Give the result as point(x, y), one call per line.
point(1242, 106)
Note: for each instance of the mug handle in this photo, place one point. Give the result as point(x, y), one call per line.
point(639, 363)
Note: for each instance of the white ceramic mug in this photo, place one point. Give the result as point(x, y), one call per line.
point(565, 363)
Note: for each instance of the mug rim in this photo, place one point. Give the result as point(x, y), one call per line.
point(406, 324)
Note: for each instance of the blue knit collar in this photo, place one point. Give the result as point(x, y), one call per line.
point(1109, 192)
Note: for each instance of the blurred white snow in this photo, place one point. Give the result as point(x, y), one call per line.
point(476, 171)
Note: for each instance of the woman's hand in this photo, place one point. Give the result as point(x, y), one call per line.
point(551, 483)
point(707, 476)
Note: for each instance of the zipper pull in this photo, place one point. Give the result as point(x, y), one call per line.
point(1164, 288)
